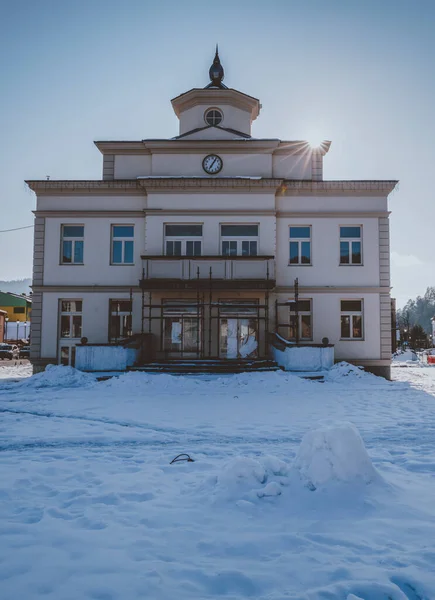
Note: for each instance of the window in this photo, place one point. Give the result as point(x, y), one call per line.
point(303, 320)
point(122, 244)
point(300, 245)
point(19, 310)
point(70, 330)
point(183, 240)
point(350, 245)
point(72, 244)
point(120, 319)
point(351, 319)
point(213, 117)
point(239, 240)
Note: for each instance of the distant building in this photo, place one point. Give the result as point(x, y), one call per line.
point(197, 240)
point(17, 307)
point(3, 315)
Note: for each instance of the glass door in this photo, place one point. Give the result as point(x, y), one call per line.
point(238, 338)
point(182, 330)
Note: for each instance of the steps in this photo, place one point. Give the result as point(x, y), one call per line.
point(200, 366)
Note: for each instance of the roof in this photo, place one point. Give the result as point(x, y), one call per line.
point(11, 299)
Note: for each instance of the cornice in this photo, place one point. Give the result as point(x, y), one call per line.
point(77, 289)
point(330, 289)
point(230, 96)
point(208, 183)
point(85, 214)
point(293, 187)
point(288, 187)
point(234, 146)
point(94, 186)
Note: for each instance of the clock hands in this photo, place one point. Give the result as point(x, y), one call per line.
point(214, 160)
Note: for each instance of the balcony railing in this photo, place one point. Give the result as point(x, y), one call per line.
point(218, 272)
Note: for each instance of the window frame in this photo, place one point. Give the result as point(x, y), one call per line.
point(208, 110)
point(239, 239)
point(352, 314)
point(68, 343)
point(73, 240)
point(301, 313)
point(299, 241)
point(183, 239)
point(121, 314)
point(122, 239)
point(350, 240)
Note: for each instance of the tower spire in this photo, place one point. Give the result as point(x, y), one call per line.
point(216, 72)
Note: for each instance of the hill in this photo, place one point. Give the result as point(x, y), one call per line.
point(16, 286)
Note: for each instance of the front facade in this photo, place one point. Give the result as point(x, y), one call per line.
point(198, 241)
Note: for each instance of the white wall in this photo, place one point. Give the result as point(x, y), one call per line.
point(293, 166)
point(211, 231)
point(310, 203)
point(234, 165)
point(96, 269)
point(91, 202)
point(212, 201)
point(326, 322)
point(234, 118)
point(130, 166)
point(95, 322)
point(325, 253)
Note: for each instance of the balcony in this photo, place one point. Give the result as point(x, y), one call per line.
point(205, 272)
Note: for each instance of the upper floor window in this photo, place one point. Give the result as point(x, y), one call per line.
point(122, 245)
point(350, 245)
point(183, 239)
point(300, 245)
point(239, 240)
point(72, 244)
point(302, 319)
point(213, 116)
point(19, 310)
point(351, 319)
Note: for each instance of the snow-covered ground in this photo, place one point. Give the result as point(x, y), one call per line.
point(299, 489)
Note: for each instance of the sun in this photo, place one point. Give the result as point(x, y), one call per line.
point(315, 142)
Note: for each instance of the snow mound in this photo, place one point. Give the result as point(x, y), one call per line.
point(58, 376)
point(345, 371)
point(240, 478)
point(334, 452)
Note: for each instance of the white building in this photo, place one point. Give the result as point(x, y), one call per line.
point(206, 233)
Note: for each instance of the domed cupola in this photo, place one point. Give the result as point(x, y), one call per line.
point(216, 73)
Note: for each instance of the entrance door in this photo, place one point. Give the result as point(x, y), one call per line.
point(182, 334)
point(238, 338)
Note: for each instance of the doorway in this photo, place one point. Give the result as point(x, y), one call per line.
point(238, 338)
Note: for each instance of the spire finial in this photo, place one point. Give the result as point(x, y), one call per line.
point(216, 71)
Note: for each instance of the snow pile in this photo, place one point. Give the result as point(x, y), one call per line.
point(241, 477)
point(57, 376)
point(334, 452)
point(343, 371)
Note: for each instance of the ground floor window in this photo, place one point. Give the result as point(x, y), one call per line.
point(70, 331)
point(301, 320)
point(120, 324)
point(351, 319)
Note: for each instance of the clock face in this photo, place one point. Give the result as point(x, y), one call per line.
point(212, 164)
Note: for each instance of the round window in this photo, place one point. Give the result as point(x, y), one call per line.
point(213, 116)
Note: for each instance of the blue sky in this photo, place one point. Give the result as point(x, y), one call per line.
point(358, 73)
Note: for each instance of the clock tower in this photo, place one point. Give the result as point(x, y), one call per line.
point(216, 111)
